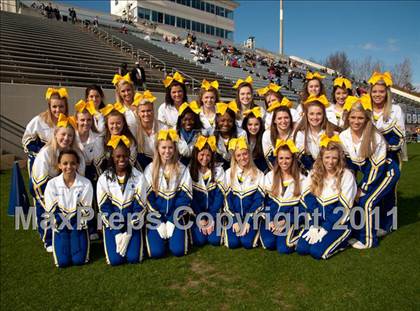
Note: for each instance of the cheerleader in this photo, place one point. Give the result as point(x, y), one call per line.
point(271, 94)
point(244, 97)
point(208, 184)
point(328, 195)
point(366, 152)
point(121, 192)
point(67, 197)
point(389, 120)
point(95, 94)
point(169, 192)
point(244, 196)
point(313, 86)
point(207, 99)
point(176, 95)
point(116, 124)
point(281, 128)
point(147, 128)
point(253, 126)
point(313, 125)
point(45, 168)
point(283, 187)
point(124, 94)
point(40, 129)
point(226, 129)
point(341, 89)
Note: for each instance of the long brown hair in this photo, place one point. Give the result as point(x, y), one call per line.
point(305, 93)
point(278, 95)
point(273, 126)
point(319, 172)
point(277, 188)
point(252, 104)
point(195, 166)
point(203, 91)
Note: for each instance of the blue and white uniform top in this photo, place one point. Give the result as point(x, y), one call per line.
point(186, 142)
point(392, 129)
point(284, 202)
point(61, 199)
point(208, 192)
point(37, 134)
point(92, 148)
point(268, 147)
point(244, 194)
point(334, 195)
point(269, 117)
point(167, 116)
point(209, 124)
point(335, 116)
point(222, 144)
point(175, 190)
point(312, 147)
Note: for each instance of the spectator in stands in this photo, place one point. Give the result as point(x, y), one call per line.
point(138, 76)
point(219, 44)
point(72, 14)
point(96, 22)
point(56, 12)
point(123, 69)
point(49, 10)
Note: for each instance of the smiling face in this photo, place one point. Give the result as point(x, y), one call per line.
point(177, 94)
point(330, 160)
point(64, 137)
point(145, 112)
point(340, 95)
point(271, 98)
point(95, 97)
point(378, 94)
point(188, 121)
point(225, 123)
point(242, 157)
point(314, 87)
point(357, 120)
point(204, 157)
point(166, 149)
point(282, 121)
point(253, 125)
point(209, 100)
point(68, 164)
point(121, 158)
point(285, 160)
point(84, 122)
point(315, 115)
point(57, 106)
point(126, 93)
point(115, 124)
point(245, 95)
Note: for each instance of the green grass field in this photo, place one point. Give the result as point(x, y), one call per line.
point(384, 278)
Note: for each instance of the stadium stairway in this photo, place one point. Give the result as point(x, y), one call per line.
point(35, 50)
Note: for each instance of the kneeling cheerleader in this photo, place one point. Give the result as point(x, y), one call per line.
point(244, 196)
point(208, 191)
point(169, 195)
point(121, 203)
point(69, 198)
point(283, 187)
point(328, 195)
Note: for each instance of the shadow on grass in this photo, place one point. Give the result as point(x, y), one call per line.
point(408, 211)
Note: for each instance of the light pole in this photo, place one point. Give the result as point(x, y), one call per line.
point(281, 28)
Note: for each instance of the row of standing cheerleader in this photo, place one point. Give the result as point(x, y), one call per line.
point(117, 148)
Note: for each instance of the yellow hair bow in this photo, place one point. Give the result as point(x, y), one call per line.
point(256, 111)
point(315, 75)
point(271, 87)
point(240, 81)
point(193, 106)
point(89, 106)
point(341, 81)
point(238, 143)
point(110, 107)
point(170, 134)
point(177, 77)
point(115, 140)
point(117, 78)
point(207, 85)
point(147, 96)
point(289, 143)
point(65, 121)
point(222, 107)
point(364, 100)
point(325, 140)
point(322, 99)
point(62, 91)
point(284, 102)
point(203, 140)
point(377, 76)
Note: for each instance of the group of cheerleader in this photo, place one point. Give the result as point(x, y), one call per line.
point(243, 174)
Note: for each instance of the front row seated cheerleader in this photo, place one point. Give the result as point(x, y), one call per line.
point(45, 168)
point(283, 187)
point(169, 194)
point(68, 197)
point(121, 191)
point(327, 196)
point(366, 153)
point(244, 196)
